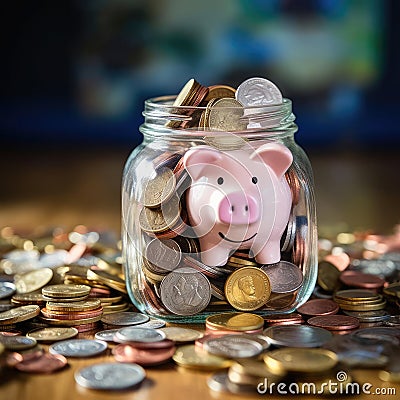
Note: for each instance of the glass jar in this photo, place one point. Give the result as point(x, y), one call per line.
point(181, 209)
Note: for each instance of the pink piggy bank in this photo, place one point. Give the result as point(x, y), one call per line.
point(239, 199)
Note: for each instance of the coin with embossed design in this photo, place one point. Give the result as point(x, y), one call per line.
point(185, 291)
point(159, 189)
point(225, 115)
point(19, 314)
point(33, 280)
point(284, 276)
point(78, 347)
point(247, 289)
point(52, 334)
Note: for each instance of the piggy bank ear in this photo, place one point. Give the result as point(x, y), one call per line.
point(275, 155)
point(199, 157)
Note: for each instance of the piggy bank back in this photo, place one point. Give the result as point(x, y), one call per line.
point(239, 199)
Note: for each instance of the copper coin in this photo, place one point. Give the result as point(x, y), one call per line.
point(361, 280)
point(334, 322)
point(146, 357)
point(215, 331)
point(10, 333)
point(163, 344)
point(15, 357)
point(45, 363)
point(319, 307)
point(87, 327)
point(328, 276)
point(278, 318)
point(294, 184)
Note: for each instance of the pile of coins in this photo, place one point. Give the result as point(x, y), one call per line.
point(170, 250)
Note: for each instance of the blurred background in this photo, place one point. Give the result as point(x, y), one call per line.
point(75, 75)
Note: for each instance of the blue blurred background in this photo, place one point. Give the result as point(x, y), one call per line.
point(79, 71)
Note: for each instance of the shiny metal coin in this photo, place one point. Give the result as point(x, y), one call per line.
point(153, 323)
point(284, 276)
point(7, 289)
point(185, 291)
point(16, 343)
point(233, 346)
point(138, 334)
point(78, 347)
point(110, 376)
point(124, 318)
point(218, 382)
point(258, 91)
point(106, 335)
point(297, 335)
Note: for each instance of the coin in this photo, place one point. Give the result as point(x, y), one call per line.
point(66, 291)
point(247, 289)
point(393, 320)
point(361, 280)
point(284, 276)
point(369, 316)
point(19, 314)
point(218, 382)
point(185, 291)
point(225, 115)
point(235, 321)
point(318, 307)
point(78, 347)
point(356, 295)
point(124, 318)
point(257, 92)
point(301, 360)
point(138, 334)
point(33, 280)
point(219, 91)
point(110, 376)
point(28, 298)
point(334, 322)
point(164, 254)
point(160, 219)
point(233, 346)
point(328, 276)
point(159, 189)
point(181, 335)
point(189, 357)
point(106, 335)
point(17, 342)
point(87, 305)
point(300, 335)
point(7, 289)
point(145, 357)
point(52, 334)
point(44, 363)
point(153, 323)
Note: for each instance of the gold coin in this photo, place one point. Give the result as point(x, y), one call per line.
point(256, 369)
point(159, 189)
point(219, 91)
point(181, 335)
point(301, 359)
point(115, 307)
point(28, 298)
point(328, 276)
point(1, 349)
point(355, 295)
point(160, 219)
point(392, 290)
point(242, 261)
point(63, 291)
point(19, 314)
point(70, 322)
point(111, 280)
point(225, 115)
point(247, 289)
point(87, 305)
point(191, 357)
point(363, 307)
point(33, 280)
point(52, 334)
point(235, 321)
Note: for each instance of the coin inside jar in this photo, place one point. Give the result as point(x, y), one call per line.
point(284, 276)
point(247, 289)
point(164, 254)
point(159, 189)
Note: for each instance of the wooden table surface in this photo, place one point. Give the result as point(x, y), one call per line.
point(53, 187)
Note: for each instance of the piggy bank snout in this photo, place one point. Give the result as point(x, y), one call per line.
point(238, 208)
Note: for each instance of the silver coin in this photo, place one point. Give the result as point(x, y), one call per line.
point(297, 335)
point(393, 320)
point(138, 334)
point(258, 92)
point(78, 347)
point(110, 376)
point(378, 333)
point(7, 289)
point(106, 335)
point(17, 342)
point(233, 346)
point(185, 291)
point(284, 276)
point(153, 323)
point(124, 318)
point(369, 316)
point(218, 382)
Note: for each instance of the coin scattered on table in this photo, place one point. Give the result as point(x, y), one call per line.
point(78, 347)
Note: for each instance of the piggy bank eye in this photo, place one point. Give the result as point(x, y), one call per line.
point(220, 180)
point(254, 179)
